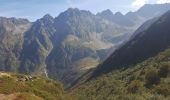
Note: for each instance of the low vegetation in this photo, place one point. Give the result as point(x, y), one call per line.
point(149, 80)
point(23, 87)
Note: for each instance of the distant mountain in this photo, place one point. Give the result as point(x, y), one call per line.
point(148, 11)
point(117, 18)
point(142, 46)
point(135, 19)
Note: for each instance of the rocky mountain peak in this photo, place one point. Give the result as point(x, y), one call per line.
point(47, 17)
point(72, 12)
point(106, 12)
point(119, 14)
point(46, 22)
point(72, 9)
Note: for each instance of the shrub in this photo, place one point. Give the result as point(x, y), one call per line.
point(129, 97)
point(135, 86)
point(152, 78)
point(155, 97)
point(163, 89)
point(164, 70)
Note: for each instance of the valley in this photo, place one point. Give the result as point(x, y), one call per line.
point(79, 55)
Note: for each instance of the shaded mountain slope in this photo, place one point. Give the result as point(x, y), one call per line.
point(145, 81)
point(144, 45)
point(37, 45)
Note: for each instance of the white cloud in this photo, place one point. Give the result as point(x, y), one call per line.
point(139, 3)
point(163, 1)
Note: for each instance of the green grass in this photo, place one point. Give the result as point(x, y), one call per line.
point(27, 96)
point(39, 86)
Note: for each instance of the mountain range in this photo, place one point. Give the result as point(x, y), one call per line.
point(66, 47)
point(96, 57)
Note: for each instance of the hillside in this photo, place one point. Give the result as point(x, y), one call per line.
point(26, 87)
point(142, 46)
point(149, 80)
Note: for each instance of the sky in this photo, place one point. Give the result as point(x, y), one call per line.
point(35, 9)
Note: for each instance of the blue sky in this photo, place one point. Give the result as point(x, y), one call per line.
point(34, 9)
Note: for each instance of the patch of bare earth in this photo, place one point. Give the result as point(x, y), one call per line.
point(18, 96)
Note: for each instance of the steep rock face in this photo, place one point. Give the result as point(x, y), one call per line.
point(142, 46)
point(11, 39)
point(37, 46)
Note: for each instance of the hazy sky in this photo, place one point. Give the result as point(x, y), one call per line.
point(34, 9)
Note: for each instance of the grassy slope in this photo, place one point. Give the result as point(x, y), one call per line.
point(13, 87)
point(149, 80)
